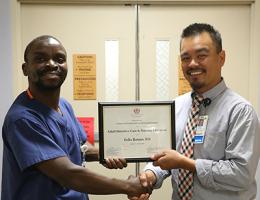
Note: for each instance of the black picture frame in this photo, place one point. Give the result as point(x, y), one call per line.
point(158, 105)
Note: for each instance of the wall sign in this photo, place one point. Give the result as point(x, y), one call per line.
point(84, 76)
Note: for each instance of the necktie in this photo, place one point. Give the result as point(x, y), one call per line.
point(185, 186)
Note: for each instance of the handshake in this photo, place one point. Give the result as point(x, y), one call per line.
point(140, 188)
point(136, 188)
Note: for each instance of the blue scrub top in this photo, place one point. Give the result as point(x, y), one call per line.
point(32, 133)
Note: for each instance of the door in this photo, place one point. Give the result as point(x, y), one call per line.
point(90, 29)
point(106, 31)
point(160, 30)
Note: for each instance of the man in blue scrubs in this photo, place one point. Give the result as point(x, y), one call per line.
point(42, 137)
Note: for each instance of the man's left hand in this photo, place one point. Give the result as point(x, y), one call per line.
point(115, 163)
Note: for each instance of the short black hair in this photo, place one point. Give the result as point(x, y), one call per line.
point(29, 46)
point(198, 28)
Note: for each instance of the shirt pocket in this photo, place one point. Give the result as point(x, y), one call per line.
point(213, 147)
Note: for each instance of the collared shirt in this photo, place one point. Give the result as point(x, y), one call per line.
point(227, 160)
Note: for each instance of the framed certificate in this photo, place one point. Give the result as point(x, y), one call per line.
point(135, 130)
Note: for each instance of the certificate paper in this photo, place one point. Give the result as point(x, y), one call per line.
point(135, 131)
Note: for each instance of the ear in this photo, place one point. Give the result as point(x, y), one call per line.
point(24, 67)
point(222, 58)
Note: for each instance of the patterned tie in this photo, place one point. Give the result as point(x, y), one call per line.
point(185, 186)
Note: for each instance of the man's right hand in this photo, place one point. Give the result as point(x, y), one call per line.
point(137, 189)
point(147, 180)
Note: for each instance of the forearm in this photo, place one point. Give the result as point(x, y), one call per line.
point(224, 174)
point(188, 164)
point(83, 180)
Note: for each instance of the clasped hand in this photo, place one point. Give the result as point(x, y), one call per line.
point(137, 190)
point(115, 163)
point(142, 185)
point(167, 159)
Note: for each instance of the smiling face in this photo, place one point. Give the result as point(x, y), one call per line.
point(201, 63)
point(45, 64)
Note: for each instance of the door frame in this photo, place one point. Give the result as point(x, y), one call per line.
point(254, 65)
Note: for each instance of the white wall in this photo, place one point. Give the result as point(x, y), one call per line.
point(8, 59)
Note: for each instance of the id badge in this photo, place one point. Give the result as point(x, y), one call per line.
point(201, 129)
